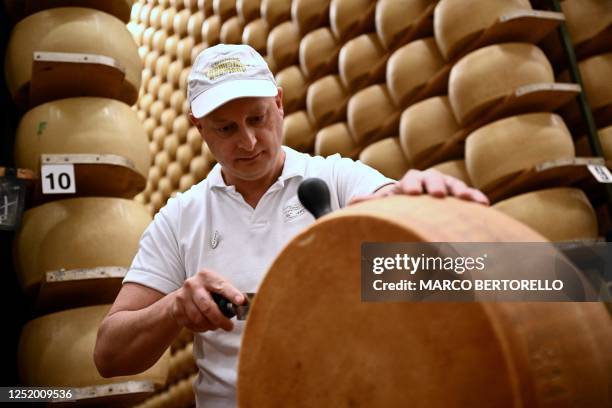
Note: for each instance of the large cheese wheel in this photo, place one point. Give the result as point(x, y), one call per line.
point(194, 26)
point(57, 350)
point(275, 11)
point(456, 169)
point(231, 31)
point(410, 67)
point(605, 138)
point(82, 125)
point(417, 354)
point(371, 113)
point(596, 73)
point(75, 30)
point(298, 132)
point(211, 28)
point(284, 45)
point(294, 87)
point(426, 125)
point(458, 22)
point(319, 53)
point(559, 214)
point(483, 77)
point(248, 10)
point(395, 18)
point(586, 18)
point(387, 157)
point(77, 233)
point(334, 139)
point(349, 18)
point(118, 8)
point(508, 146)
point(255, 34)
point(225, 9)
point(326, 101)
point(361, 62)
point(310, 14)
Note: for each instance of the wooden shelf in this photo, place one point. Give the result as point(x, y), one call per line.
point(65, 289)
point(59, 75)
point(549, 174)
point(122, 394)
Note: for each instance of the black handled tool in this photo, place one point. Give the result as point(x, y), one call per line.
point(314, 196)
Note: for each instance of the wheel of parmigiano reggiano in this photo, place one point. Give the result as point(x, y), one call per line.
point(255, 34)
point(370, 114)
point(508, 146)
point(121, 9)
point(395, 18)
point(559, 214)
point(194, 26)
point(376, 353)
point(231, 31)
point(361, 62)
point(225, 9)
point(426, 125)
point(458, 22)
point(180, 22)
point(181, 364)
point(298, 132)
point(605, 138)
point(167, 19)
point(82, 125)
point(77, 233)
point(483, 77)
point(596, 75)
point(74, 30)
point(326, 101)
point(248, 10)
point(310, 14)
point(56, 350)
point(284, 45)
point(410, 67)
point(206, 6)
point(211, 29)
point(335, 139)
point(275, 12)
point(349, 18)
point(454, 168)
point(586, 18)
point(387, 157)
point(294, 87)
point(319, 53)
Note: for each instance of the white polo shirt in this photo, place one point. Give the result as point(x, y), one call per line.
point(210, 226)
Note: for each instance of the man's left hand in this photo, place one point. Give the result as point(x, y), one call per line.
point(432, 182)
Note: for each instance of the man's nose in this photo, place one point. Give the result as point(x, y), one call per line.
point(247, 139)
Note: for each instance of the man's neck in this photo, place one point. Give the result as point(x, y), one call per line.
point(253, 190)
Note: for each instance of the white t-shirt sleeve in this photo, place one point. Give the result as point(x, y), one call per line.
point(158, 263)
point(353, 178)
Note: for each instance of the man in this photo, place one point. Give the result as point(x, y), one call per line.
point(222, 234)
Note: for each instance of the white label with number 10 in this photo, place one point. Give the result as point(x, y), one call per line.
point(58, 178)
point(601, 173)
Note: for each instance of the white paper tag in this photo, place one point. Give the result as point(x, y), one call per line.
point(600, 172)
point(58, 178)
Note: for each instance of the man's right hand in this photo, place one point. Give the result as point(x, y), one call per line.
point(193, 306)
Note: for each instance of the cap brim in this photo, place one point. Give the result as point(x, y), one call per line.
point(224, 92)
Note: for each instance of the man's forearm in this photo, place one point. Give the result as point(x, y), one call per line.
point(131, 341)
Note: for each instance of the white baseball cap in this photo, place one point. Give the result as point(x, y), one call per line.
point(226, 72)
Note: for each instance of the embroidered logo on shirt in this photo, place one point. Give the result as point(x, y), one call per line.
point(214, 241)
point(292, 211)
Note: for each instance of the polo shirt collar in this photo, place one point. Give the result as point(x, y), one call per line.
point(294, 166)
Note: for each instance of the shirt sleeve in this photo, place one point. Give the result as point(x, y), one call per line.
point(354, 179)
point(158, 263)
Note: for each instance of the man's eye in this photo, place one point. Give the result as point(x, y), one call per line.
point(256, 119)
point(225, 129)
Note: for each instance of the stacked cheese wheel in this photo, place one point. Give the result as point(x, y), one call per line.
point(376, 353)
point(71, 254)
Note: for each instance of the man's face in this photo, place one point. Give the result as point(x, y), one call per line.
point(245, 137)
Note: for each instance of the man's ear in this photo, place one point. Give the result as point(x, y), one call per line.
point(195, 122)
point(279, 101)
